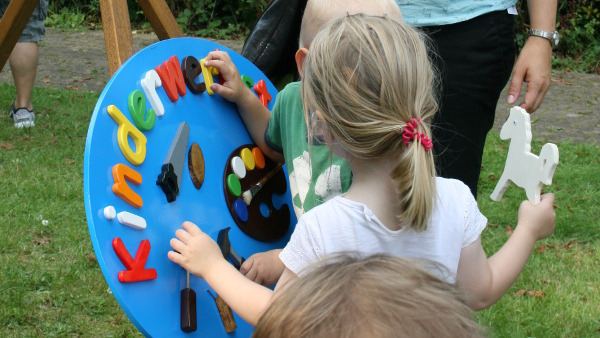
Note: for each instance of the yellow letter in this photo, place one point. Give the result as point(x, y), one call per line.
point(126, 129)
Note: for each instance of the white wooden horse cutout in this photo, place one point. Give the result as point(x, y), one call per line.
point(525, 169)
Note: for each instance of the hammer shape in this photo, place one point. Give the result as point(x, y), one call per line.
point(227, 250)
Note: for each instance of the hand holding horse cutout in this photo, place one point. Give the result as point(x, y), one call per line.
point(523, 168)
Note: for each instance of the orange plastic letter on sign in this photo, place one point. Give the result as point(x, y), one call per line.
point(127, 129)
point(122, 174)
point(172, 78)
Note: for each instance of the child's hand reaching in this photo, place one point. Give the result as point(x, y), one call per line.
point(538, 219)
point(233, 88)
point(196, 252)
point(263, 268)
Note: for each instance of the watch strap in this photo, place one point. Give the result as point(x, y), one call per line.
point(553, 37)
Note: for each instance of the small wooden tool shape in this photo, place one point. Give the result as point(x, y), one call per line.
point(196, 165)
point(225, 313)
point(188, 307)
point(227, 250)
point(169, 178)
point(525, 169)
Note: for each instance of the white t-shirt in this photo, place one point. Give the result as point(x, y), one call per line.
point(342, 225)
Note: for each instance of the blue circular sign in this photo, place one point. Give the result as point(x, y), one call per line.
point(138, 189)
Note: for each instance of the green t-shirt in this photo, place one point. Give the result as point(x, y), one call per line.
point(313, 180)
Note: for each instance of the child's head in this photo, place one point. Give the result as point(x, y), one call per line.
point(318, 12)
point(367, 78)
point(380, 296)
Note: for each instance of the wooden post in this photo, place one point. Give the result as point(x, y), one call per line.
point(117, 28)
point(117, 32)
point(161, 19)
point(12, 25)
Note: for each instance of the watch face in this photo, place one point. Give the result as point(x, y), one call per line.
point(158, 152)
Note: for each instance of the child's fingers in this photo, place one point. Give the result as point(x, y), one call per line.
point(246, 266)
point(547, 198)
point(191, 228)
point(177, 245)
point(217, 55)
point(183, 236)
point(175, 257)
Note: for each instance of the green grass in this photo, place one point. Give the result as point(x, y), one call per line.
point(51, 285)
point(564, 267)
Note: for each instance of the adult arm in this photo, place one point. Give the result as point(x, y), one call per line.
point(534, 63)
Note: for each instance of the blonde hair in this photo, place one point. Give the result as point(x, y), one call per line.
point(367, 77)
point(379, 296)
point(318, 12)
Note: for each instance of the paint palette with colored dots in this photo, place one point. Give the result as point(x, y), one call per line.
point(257, 216)
point(157, 147)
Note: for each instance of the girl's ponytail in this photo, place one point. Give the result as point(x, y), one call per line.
point(414, 175)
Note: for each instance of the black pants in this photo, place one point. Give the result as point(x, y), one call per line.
point(475, 59)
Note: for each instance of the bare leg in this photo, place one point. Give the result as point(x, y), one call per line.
point(23, 62)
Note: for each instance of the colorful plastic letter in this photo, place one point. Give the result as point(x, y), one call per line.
point(131, 220)
point(172, 78)
point(135, 267)
point(121, 174)
point(150, 82)
point(137, 108)
point(208, 77)
point(260, 88)
point(248, 81)
point(191, 69)
point(127, 129)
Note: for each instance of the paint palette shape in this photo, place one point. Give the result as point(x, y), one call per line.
point(261, 219)
point(135, 124)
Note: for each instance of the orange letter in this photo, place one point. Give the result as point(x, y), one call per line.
point(121, 173)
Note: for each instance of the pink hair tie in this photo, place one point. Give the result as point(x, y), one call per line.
point(410, 133)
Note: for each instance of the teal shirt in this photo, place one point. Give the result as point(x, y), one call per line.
point(420, 13)
point(316, 175)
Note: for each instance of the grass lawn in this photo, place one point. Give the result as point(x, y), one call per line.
point(51, 284)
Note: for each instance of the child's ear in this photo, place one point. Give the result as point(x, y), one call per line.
point(300, 56)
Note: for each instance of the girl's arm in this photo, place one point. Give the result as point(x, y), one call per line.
point(484, 280)
point(200, 255)
point(253, 113)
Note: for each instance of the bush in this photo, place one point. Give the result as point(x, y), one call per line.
point(224, 19)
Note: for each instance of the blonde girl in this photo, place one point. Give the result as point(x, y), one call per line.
point(368, 91)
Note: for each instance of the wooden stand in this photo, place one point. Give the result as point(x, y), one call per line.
point(115, 21)
point(117, 29)
point(12, 25)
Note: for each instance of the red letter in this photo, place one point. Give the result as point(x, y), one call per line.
point(135, 267)
point(172, 78)
point(260, 88)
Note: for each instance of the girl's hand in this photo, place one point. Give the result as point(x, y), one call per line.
point(233, 88)
point(195, 251)
point(539, 219)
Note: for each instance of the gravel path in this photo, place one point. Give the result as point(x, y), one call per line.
point(77, 61)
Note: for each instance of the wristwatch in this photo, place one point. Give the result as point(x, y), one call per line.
point(553, 37)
